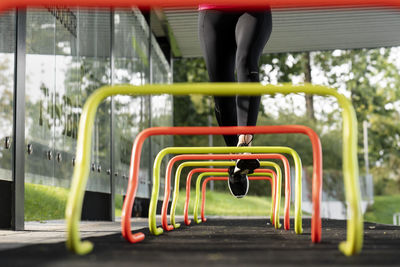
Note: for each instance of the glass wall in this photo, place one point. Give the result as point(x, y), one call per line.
point(40, 96)
point(94, 45)
point(7, 49)
point(69, 54)
point(68, 57)
point(131, 113)
point(161, 105)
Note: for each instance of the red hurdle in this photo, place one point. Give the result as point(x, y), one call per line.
point(204, 188)
point(283, 129)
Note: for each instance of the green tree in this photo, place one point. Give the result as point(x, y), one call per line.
point(371, 80)
point(191, 110)
point(6, 111)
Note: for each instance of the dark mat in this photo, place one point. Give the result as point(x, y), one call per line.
point(243, 242)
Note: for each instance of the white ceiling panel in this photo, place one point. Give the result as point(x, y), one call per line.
point(296, 30)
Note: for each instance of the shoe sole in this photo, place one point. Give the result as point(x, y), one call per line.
point(240, 196)
point(247, 166)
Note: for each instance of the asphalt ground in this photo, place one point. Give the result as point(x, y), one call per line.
point(222, 242)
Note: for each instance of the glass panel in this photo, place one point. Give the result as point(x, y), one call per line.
point(68, 57)
point(7, 50)
point(131, 114)
point(161, 105)
point(65, 96)
point(94, 42)
point(40, 92)
point(161, 69)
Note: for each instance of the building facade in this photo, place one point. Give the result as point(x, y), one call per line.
point(51, 60)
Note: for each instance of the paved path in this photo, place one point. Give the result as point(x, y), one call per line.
point(48, 232)
point(218, 242)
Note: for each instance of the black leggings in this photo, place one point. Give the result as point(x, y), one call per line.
point(228, 39)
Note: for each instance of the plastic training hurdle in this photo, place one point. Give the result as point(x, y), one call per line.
point(277, 177)
point(251, 178)
point(212, 163)
point(188, 182)
point(135, 161)
point(317, 169)
point(205, 150)
point(218, 163)
point(74, 205)
point(259, 172)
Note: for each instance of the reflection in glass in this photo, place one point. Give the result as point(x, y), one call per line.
point(68, 57)
point(161, 105)
point(40, 93)
point(94, 40)
point(131, 114)
point(7, 50)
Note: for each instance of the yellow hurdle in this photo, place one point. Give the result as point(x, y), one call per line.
point(278, 197)
point(217, 163)
point(223, 150)
point(355, 227)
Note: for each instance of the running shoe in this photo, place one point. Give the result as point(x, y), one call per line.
point(238, 183)
point(246, 166)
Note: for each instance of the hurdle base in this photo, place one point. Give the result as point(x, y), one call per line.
point(5, 204)
point(141, 207)
point(97, 207)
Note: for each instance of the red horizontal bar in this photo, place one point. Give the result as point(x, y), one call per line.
point(276, 129)
point(171, 163)
point(189, 179)
point(252, 178)
point(8, 4)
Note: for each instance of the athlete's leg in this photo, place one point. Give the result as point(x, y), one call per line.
point(252, 33)
point(217, 40)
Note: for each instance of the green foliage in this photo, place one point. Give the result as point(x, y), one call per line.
point(368, 76)
point(383, 209)
point(283, 67)
point(192, 110)
point(372, 81)
point(190, 70)
point(6, 104)
point(331, 141)
point(385, 186)
point(331, 149)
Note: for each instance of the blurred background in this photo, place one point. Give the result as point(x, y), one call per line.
point(369, 77)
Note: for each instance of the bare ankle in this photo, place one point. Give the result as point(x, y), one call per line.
point(245, 139)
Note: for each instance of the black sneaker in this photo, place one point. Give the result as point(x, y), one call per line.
point(238, 183)
point(247, 166)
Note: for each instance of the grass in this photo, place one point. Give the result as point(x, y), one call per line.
point(118, 205)
point(219, 203)
point(383, 209)
point(44, 202)
point(48, 203)
point(223, 203)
